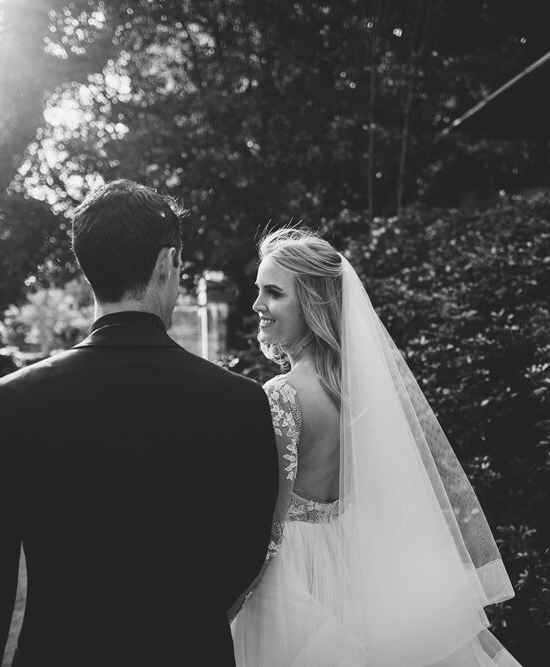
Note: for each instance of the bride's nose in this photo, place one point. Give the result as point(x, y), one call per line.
point(258, 306)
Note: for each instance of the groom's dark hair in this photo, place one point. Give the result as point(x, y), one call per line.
point(118, 231)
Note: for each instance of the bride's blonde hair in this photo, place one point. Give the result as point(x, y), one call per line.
point(317, 270)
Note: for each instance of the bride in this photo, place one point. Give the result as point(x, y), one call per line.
point(381, 555)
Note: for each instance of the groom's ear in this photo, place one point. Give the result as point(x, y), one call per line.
point(162, 265)
point(167, 261)
point(176, 257)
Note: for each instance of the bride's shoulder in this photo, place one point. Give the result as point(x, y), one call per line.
point(279, 387)
point(300, 388)
point(283, 397)
point(275, 381)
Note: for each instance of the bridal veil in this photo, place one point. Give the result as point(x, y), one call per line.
point(419, 561)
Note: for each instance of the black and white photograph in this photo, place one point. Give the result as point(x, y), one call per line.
point(274, 333)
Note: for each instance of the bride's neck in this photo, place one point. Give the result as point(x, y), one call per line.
point(302, 355)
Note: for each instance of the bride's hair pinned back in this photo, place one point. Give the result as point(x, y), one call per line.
point(317, 270)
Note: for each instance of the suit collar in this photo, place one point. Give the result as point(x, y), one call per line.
point(128, 329)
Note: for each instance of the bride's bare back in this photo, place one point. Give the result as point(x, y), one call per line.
point(318, 450)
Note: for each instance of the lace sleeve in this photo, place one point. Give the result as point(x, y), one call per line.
point(287, 425)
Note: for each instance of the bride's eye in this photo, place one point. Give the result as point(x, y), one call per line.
point(271, 291)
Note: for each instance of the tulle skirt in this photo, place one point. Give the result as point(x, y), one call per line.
point(301, 615)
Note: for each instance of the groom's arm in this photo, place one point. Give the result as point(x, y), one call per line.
point(255, 493)
point(10, 539)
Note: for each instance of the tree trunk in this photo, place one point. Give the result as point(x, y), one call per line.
point(21, 85)
point(405, 139)
point(28, 73)
point(419, 38)
point(372, 100)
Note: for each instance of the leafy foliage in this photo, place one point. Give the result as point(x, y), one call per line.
point(51, 319)
point(256, 112)
point(35, 247)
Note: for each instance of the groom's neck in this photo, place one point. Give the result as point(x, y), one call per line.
point(139, 305)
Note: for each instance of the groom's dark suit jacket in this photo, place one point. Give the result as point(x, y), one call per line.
point(141, 481)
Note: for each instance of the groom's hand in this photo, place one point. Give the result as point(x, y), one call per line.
point(10, 538)
point(10, 547)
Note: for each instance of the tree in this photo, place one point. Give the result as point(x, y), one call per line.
point(51, 319)
point(35, 248)
point(43, 44)
point(257, 113)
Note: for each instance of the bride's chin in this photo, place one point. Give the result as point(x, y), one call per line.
point(265, 339)
point(262, 338)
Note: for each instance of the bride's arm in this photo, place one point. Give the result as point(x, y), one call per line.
point(287, 425)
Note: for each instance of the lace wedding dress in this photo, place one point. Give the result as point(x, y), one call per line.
point(300, 611)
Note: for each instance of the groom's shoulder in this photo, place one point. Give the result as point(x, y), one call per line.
point(26, 376)
point(215, 375)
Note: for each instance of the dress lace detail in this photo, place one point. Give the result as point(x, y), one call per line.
point(287, 424)
point(312, 511)
point(287, 420)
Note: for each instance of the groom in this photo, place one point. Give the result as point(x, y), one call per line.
point(139, 479)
